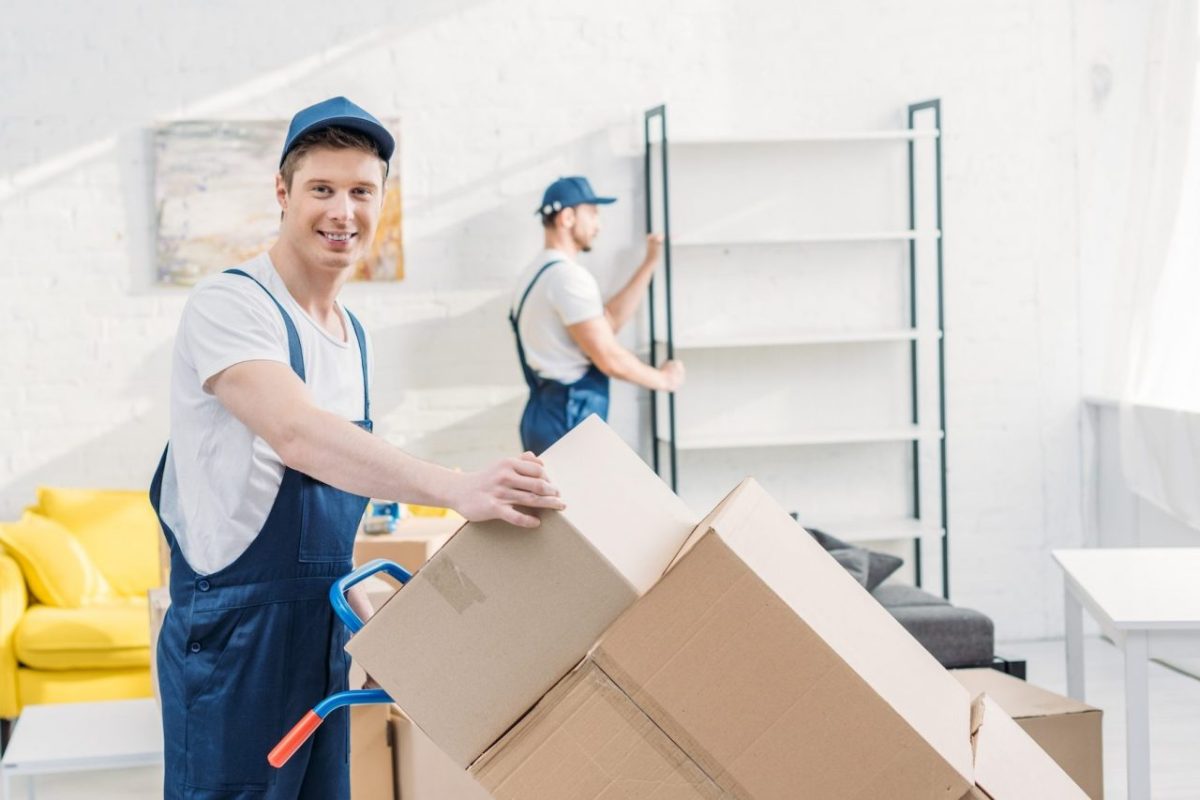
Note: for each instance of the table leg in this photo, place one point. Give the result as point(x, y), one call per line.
point(1137, 715)
point(1074, 628)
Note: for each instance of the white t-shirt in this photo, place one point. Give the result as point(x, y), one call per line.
point(220, 480)
point(565, 295)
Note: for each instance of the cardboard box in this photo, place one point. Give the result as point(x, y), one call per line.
point(586, 740)
point(501, 613)
point(416, 540)
point(1068, 730)
point(372, 763)
point(424, 772)
point(379, 590)
point(1009, 765)
point(772, 668)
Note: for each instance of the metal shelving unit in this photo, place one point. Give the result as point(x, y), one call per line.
point(668, 442)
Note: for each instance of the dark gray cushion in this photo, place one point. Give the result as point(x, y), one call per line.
point(881, 564)
point(895, 595)
point(957, 637)
point(856, 561)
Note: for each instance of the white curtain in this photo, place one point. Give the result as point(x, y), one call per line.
point(1160, 404)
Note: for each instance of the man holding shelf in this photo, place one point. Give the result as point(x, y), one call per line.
point(566, 334)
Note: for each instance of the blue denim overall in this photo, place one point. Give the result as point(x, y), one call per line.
point(555, 408)
point(245, 650)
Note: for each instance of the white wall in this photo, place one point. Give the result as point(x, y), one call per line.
point(497, 99)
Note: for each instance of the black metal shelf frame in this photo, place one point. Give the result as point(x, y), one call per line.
point(656, 118)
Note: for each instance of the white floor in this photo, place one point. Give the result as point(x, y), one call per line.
point(1174, 724)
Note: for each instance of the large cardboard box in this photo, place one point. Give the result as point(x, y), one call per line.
point(372, 764)
point(1068, 730)
point(781, 676)
point(501, 613)
point(1009, 765)
point(586, 740)
point(414, 542)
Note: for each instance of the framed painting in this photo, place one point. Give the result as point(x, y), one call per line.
point(215, 200)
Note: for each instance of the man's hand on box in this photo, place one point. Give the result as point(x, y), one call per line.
point(508, 490)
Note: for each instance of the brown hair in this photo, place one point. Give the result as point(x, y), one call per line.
point(333, 138)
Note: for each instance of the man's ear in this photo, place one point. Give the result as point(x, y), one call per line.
point(281, 193)
point(567, 215)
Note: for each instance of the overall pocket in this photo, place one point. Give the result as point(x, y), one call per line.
point(239, 703)
point(328, 522)
point(582, 402)
point(329, 518)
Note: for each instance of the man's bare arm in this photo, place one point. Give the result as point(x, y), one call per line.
point(273, 402)
point(620, 309)
point(596, 339)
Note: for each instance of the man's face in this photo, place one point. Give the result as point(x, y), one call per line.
point(332, 208)
point(586, 226)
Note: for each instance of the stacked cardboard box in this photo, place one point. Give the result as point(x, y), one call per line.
point(1069, 731)
point(621, 650)
point(413, 542)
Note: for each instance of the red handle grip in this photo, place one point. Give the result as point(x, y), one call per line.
point(297, 736)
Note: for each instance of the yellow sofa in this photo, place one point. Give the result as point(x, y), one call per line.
point(74, 618)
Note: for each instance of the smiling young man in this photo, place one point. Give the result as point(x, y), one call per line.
point(268, 471)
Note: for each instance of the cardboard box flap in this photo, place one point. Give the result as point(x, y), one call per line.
point(835, 606)
point(586, 740)
point(1018, 698)
point(1009, 765)
point(630, 493)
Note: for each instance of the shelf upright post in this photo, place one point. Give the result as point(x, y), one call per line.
point(647, 174)
point(914, 345)
point(936, 107)
point(661, 113)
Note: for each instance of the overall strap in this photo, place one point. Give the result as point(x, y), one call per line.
point(295, 354)
point(516, 318)
point(362, 352)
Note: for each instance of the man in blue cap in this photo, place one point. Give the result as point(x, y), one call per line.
point(267, 474)
point(566, 334)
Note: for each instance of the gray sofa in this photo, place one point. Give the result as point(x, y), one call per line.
point(957, 637)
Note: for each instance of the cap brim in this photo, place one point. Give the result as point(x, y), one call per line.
point(377, 134)
point(602, 201)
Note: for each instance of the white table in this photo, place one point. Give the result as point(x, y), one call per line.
point(76, 737)
point(1147, 600)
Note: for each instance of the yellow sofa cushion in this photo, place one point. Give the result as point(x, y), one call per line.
point(39, 687)
point(57, 568)
point(117, 527)
point(113, 635)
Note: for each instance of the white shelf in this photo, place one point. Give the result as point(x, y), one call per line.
point(907, 433)
point(816, 238)
point(902, 135)
point(711, 342)
point(878, 530)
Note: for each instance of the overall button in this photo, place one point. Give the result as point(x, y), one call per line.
point(203, 585)
point(195, 647)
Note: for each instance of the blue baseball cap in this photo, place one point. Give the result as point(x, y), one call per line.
point(567, 192)
point(338, 112)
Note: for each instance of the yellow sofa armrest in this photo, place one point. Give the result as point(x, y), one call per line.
point(14, 599)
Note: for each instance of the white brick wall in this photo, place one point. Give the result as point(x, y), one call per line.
point(498, 98)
